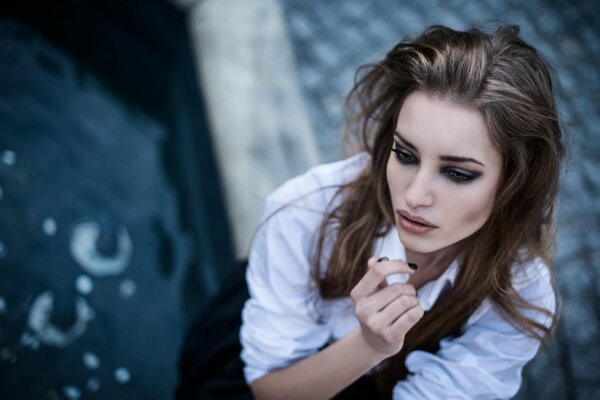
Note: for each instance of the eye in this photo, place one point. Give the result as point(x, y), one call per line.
point(404, 156)
point(459, 176)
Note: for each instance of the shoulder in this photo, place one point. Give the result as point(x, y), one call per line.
point(534, 277)
point(530, 272)
point(318, 185)
point(534, 282)
point(293, 213)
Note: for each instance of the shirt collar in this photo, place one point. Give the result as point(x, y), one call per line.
point(390, 246)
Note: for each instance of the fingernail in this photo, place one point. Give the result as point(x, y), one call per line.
point(413, 266)
point(382, 259)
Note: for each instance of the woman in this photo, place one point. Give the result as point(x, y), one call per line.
point(422, 262)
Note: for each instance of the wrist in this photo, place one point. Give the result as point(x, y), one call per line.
point(365, 350)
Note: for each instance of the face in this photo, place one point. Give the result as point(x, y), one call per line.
point(442, 173)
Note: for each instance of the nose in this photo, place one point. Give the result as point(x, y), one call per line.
point(420, 192)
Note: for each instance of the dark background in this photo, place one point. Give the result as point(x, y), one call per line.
point(104, 151)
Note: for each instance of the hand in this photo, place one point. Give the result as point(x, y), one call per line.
point(385, 312)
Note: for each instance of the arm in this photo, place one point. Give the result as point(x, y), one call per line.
point(322, 375)
point(385, 313)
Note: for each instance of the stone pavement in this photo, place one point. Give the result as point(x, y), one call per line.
point(332, 38)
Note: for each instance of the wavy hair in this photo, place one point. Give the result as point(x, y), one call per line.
point(510, 83)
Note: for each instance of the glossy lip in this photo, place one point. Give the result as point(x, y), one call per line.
point(412, 226)
point(414, 218)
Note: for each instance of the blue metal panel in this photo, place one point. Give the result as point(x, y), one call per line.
point(112, 227)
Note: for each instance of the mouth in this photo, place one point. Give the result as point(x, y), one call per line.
point(414, 224)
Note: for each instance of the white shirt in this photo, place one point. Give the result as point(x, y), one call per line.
point(280, 324)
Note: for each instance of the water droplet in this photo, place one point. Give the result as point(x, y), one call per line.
point(9, 157)
point(2, 305)
point(127, 288)
point(122, 375)
point(2, 250)
point(49, 226)
point(93, 384)
point(90, 360)
point(72, 392)
point(84, 284)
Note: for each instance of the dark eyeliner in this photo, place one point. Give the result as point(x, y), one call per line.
point(456, 175)
point(403, 156)
point(460, 176)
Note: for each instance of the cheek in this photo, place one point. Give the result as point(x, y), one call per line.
point(476, 213)
point(475, 217)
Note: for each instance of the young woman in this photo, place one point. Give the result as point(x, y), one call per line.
point(421, 264)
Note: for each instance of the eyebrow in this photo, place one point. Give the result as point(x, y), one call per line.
point(442, 157)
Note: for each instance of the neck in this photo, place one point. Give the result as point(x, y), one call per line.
point(436, 261)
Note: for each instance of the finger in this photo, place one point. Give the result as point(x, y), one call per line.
point(374, 260)
point(406, 321)
point(397, 307)
point(376, 275)
point(382, 298)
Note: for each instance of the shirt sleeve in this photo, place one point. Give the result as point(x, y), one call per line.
point(486, 361)
point(279, 326)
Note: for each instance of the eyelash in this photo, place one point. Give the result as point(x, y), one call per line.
point(405, 157)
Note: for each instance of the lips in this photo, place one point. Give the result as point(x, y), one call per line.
point(414, 226)
point(415, 219)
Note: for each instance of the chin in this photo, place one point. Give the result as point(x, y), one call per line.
point(419, 244)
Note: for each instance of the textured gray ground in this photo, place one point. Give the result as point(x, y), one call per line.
point(332, 38)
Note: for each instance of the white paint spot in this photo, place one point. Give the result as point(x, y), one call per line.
point(9, 157)
point(93, 384)
point(49, 226)
point(127, 288)
point(2, 250)
point(88, 312)
point(122, 375)
point(90, 360)
point(72, 392)
point(83, 250)
point(3, 306)
point(50, 334)
point(84, 284)
point(30, 341)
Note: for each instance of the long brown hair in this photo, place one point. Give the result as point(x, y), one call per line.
point(510, 83)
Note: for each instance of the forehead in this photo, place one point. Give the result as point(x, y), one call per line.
point(437, 125)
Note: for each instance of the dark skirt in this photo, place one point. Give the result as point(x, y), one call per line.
point(210, 366)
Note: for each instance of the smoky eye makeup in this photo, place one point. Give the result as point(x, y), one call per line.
point(459, 175)
point(403, 155)
point(454, 174)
